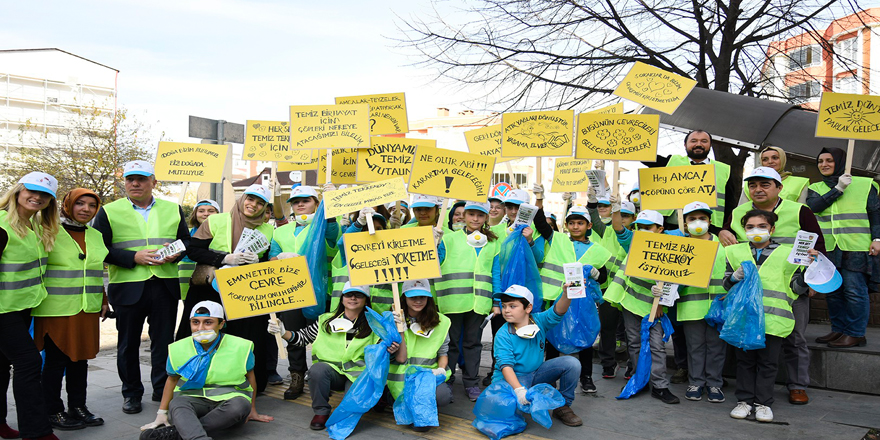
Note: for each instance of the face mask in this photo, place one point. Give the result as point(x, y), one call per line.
point(646, 230)
point(204, 336)
point(477, 239)
point(636, 197)
point(606, 220)
point(304, 219)
point(758, 235)
point(528, 331)
point(457, 226)
point(698, 227)
point(417, 329)
point(340, 325)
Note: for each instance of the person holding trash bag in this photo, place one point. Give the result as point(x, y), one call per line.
point(28, 229)
point(67, 322)
point(213, 246)
point(204, 208)
point(425, 341)
point(519, 350)
point(290, 238)
point(211, 383)
point(705, 349)
point(338, 341)
point(781, 282)
point(380, 294)
point(848, 210)
point(577, 247)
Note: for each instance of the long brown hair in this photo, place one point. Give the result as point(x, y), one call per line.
point(428, 318)
point(363, 328)
point(44, 223)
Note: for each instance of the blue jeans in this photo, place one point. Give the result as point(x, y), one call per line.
point(565, 369)
point(849, 306)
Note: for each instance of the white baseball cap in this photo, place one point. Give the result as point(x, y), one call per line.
point(214, 310)
point(208, 202)
point(42, 182)
point(517, 197)
point(627, 207)
point(414, 288)
point(365, 290)
point(518, 291)
point(649, 217)
point(604, 201)
point(138, 167)
point(302, 191)
point(425, 201)
point(476, 206)
point(403, 204)
point(763, 173)
point(259, 191)
point(696, 206)
point(579, 210)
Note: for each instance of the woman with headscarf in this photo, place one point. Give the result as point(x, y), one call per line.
point(794, 188)
point(214, 246)
point(28, 226)
point(66, 323)
point(848, 210)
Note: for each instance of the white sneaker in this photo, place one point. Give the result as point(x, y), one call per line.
point(763, 413)
point(742, 411)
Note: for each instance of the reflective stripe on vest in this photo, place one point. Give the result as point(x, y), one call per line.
point(722, 174)
point(130, 232)
point(74, 285)
point(466, 284)
point(786, 228)
point(775, 274)
point(22, 266)
point(845, 223)
point(227, 373)
point(346, 357)
point(634, 294)
point(694, 302)
point(185, 270)
point(562, 251)
point(421, 352)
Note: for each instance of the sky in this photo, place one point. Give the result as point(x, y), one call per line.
point(231, 59)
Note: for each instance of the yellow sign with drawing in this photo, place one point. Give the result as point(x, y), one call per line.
point(263, 288)
point(451, 174)
point(670, 258)
point(610, 110)
point(387, 111)
point(486, 141)
point(388, 157)
point(329, 126)
point(654, 87)
point(185, 162)
point(343, 201)
point(531, 134)
point(391, 256)
point(675, 187)
point(617, 137)
point(269, 141)
point(842, 115)
point(569, 175)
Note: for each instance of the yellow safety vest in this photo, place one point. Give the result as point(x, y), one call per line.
point(722, 174)
point(694, 302)
point(21, 269)
point(132, 233)
point(346, 357)
point(775, 274)
point(845, 223)
point(561, 252)
point(74, 285)
point(421, 352)
point(227, 374)
point(787, 226)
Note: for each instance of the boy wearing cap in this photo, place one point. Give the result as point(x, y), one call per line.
point(210, 383)
point(781, 282)
point(143, 287)
point(519, 350)
point(705, 349)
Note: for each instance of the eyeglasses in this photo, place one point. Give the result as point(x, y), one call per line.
point(353, 295)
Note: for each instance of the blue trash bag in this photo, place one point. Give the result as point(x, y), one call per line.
point(643, 368)
point(367, 388)
point(593, 288)
point(498, 414)
point(518, 266)
point(715, 316)
point(314, 248)
point(417, 404)
point(580, 325)
point(744, 312)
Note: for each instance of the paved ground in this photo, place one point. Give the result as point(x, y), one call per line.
point(830, 415)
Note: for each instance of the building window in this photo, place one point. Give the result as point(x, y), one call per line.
point(521, 179)
point(847, 84)
point(804, 92)
point(804, 57)
point(846, 54)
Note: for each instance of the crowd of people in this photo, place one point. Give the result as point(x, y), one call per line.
point(205, 371)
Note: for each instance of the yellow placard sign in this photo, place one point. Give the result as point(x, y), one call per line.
point(531, 134)
point(842, 115)
point(486, 141)
point(388, 157)
point(569, 175)
point(451, 174)
point(611, 109)
point(387, 111)
point(391, 255)
point(617, 137)
point(270, 141)
point(308, 160)
point(185, 162)
point(654, 87)
point(670, 258)
point(329, 126)
point(343, 169)
point(675, 187)
point(343, 201)
point(263, 288)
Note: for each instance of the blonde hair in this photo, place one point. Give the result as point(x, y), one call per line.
point(44, 223)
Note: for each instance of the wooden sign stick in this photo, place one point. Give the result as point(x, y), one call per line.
point(655, 305)
point(538, 170)
point(401, 327)
point(397, 212)
point(183, 193)
point(510, 173)
point(442, 215)
point(615, 178)
point(849, 155)
point(277, 209)
point(282, 352)
point(328, 164)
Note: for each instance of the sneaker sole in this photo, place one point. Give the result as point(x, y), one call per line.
point(738, 417)
point(716, 400)
point(764, 420)
point(695, 399)
point(593, 391)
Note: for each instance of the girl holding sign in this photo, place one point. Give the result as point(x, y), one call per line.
point(185, 269)
point(216, 244)
point(426, 209)
point(380, 294)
